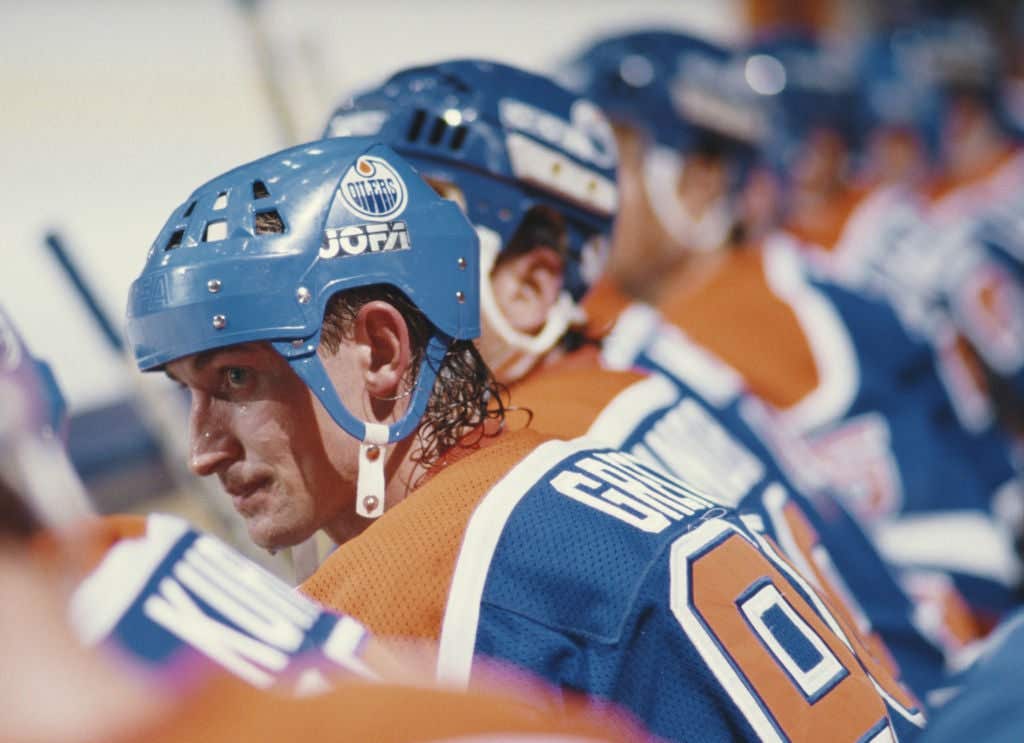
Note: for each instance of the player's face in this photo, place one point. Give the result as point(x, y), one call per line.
point(289, 469)
point(820, 163)
point(639, 241)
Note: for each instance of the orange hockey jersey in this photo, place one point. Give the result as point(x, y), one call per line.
point(566, 559)
point(852, 376)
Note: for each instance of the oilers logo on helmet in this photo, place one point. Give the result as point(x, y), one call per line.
point(360, 238)
point(373, 189)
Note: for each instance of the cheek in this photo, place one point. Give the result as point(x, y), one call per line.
point(263, 427)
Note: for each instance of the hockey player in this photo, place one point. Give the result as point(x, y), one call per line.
point(679, 183)
point(973, 244)
point(695, 422)
point(577, 563)
point(53, 690)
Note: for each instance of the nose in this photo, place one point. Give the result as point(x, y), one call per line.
point(212, 444)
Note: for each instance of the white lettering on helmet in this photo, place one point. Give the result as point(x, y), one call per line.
point(362, 238)
point(587, 135)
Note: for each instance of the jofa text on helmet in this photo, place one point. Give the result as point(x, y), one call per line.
point(361, 238)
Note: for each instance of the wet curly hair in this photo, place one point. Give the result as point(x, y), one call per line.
point(465, 396)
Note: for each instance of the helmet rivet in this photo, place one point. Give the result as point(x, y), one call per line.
point(370, 503)
point(220, 322)
point(462, 264)
point(373, 452)
point(303, 295)
point(213, 285)
point(460, 297)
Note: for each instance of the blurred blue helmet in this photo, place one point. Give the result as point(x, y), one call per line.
point(676, 88)
point(907, 73)
point(255, 255)
point(508, 140)
point(808, 86)
point(687, 98)
point(33, 424)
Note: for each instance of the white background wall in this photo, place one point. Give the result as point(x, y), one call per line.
point(112, 112)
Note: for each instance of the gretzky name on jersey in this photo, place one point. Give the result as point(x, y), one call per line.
point(619, 486)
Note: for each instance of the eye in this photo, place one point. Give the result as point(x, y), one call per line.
point(237, 377)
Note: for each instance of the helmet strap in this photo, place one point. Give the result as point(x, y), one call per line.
point(662, 169)
point(370, 488)
point(373, 437)
point(523, 350)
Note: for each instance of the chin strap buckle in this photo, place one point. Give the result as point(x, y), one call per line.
point(370, 484)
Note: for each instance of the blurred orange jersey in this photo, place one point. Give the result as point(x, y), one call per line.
point(221, 710)
point(742, 314)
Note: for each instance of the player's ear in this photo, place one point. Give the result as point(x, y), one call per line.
point(526, 286)
point(382, 336)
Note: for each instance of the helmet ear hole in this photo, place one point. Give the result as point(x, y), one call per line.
point(260, 190)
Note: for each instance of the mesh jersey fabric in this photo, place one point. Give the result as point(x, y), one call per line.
point(395, 575)
point(566, 402)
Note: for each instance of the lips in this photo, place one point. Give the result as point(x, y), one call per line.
point(242, 492)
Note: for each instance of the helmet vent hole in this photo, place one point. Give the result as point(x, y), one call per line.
point(459, 137)
point(418, 120)
point(221, 202)
point(175, 240)
point(437, 131)
point(215, 231)
point(259, 190)
point(188, 212)
point(269, 222)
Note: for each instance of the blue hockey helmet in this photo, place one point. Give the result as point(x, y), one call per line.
point(508, 139)
point(33, 424)
point(908, 72)
point(255, 255)
point(809, 86)
point(677, 88)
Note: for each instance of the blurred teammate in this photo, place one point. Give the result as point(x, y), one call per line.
point(847, 374)
point(679, 183)
point(971, 252)
point(576, 563)
point(986, 703)
point(695, 422)
point(757, 308)
point(53, 689)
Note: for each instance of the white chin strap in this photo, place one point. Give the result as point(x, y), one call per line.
point(370, 483)
point(662, 169)
point(370, 490)
point(523, 350)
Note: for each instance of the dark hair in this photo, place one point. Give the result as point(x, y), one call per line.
point(465, 395)
point(17, 520)
point(541, 225)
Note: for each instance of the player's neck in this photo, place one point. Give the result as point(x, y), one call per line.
point(404, 468)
